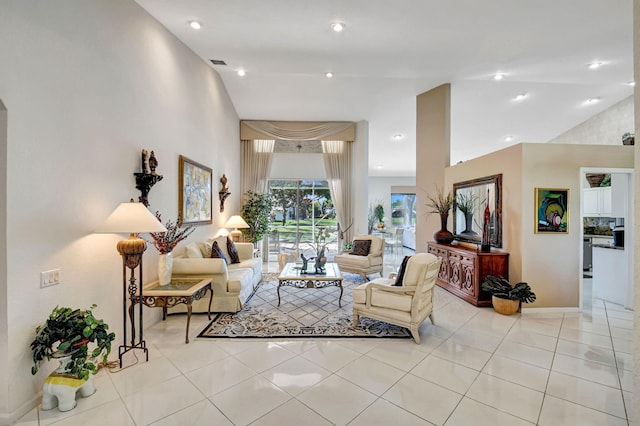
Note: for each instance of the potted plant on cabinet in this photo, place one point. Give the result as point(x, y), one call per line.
point(441, 204)
point(505, 298)
point(67, 332)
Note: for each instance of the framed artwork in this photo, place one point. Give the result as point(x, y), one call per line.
point(194, 193)
point(551, 211)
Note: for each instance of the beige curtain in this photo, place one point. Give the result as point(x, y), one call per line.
point(292, 131)
point(337, 163)
point(257, 156)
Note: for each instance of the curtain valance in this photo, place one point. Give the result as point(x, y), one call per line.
point(297, 130)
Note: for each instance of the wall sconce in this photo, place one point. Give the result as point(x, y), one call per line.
point(224, 192)
point(148, 177)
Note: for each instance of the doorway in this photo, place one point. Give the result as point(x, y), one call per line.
point(606, 211)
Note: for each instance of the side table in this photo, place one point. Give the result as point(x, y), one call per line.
point(183, 290)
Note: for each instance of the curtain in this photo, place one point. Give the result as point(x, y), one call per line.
point(315, 131)
point(256, 159)
point(337, 163)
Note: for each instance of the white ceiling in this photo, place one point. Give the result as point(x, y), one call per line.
point(391, 51)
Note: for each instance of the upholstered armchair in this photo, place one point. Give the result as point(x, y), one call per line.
point(407, 305)
point(358, 262)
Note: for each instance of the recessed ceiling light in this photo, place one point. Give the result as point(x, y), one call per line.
point(499, 76)
point(520, 96)
point(595, 65)
point(329, 74)
point(195, 25)
point(508, 138)
point(398, 136)
point(242, 73)
point(337, 26)
point(379, 165)
point(593, 100)
point(631, 83)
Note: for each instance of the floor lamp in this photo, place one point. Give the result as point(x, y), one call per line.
point(131, 218)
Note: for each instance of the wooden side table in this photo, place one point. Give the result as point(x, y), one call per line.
point(183, 290)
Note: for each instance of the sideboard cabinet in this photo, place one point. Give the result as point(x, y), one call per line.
point(463, 270)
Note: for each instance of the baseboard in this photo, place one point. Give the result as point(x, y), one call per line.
point(549, 310)
point(12, 417)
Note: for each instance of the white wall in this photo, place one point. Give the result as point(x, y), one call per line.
point(297, 166)
point(605, 128)
point(87, 85)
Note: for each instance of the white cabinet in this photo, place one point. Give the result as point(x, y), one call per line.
point(596, 201)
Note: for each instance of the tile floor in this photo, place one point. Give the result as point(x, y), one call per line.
point(474, 367)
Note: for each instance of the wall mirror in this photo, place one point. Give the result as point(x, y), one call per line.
point(470, 199)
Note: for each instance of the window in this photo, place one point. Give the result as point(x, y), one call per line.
point(303, 218)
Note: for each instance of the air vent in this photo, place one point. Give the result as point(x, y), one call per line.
point(218, 62)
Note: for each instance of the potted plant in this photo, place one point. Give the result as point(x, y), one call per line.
point(256, 211)
point(441, 204)
point(68, 332)
point(378, 212)
point(506, 299)
point(466, 203)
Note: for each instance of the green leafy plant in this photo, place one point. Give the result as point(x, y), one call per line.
point(440, 203)
point(378, 212)
point(256, 211)
point(68, 332)
point(500, 287)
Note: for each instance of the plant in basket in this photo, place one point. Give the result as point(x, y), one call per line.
point(506, 299)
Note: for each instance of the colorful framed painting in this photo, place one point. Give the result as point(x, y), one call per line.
point(194, 193)
point(552, 211)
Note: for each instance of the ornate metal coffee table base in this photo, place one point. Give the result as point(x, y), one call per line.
point(290, 277)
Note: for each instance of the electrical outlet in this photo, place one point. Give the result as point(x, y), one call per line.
point(49, 278)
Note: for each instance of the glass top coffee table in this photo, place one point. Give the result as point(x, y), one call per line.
point(293, 276)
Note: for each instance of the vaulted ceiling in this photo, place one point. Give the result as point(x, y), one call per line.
point(391, 51)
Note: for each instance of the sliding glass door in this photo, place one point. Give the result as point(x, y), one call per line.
point(303, 218)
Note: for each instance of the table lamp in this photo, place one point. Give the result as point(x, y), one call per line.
point(131, 218)
point(236, 222)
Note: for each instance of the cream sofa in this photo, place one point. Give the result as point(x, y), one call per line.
point(232, 284)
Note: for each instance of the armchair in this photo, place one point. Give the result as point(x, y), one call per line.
point(407, 305)
point(363, 265)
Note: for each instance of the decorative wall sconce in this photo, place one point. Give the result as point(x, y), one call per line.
point(148, 177)
point(224, 192)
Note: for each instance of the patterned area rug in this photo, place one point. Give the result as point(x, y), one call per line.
point(303, 312)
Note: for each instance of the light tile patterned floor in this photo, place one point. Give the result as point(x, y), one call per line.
point(474, 367)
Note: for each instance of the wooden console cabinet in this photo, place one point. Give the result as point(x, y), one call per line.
point(463, 269)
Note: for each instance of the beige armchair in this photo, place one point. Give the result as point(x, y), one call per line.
point(363, 265)
point(407, 305)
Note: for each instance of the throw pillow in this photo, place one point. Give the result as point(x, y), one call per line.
point(403, 268)
point(361, 247)
point(217, 253)
point(193, 251)
point(233, 251)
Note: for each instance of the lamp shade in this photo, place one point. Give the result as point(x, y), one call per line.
point(131, 218)
point(236, 221)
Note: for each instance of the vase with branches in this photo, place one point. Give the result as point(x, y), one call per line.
point(441, 203)
point(466, 203)
point(165, 242)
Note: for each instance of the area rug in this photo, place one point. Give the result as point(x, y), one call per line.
point(303, 312)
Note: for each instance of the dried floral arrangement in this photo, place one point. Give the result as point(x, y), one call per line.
point(165, 242)
point(440, 203)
